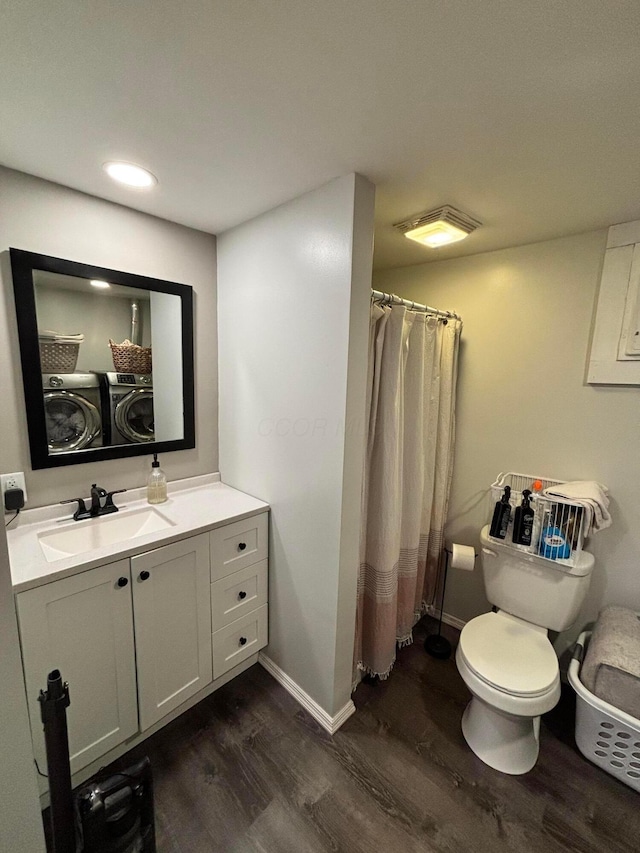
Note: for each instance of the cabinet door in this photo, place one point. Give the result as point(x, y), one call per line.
point(172, 615)
point(83, 626)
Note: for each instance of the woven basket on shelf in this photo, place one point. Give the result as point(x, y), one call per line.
point(130, 358)
point(58, 357)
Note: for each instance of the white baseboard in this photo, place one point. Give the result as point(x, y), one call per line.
point(331, 724)
point(447, 618)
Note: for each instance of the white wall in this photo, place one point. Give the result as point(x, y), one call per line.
point(166, 317)
point(97, 316)
point(20, 821)
point(523, 404)
point(42, 217)
point(293, 313)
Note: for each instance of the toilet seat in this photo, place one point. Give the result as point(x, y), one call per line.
point(509, 655)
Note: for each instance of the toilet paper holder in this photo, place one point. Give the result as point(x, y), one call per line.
point(436, 645)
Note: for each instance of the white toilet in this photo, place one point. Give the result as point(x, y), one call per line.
point(505, 657)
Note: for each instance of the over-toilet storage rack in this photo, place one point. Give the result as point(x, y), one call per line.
point(550, 514)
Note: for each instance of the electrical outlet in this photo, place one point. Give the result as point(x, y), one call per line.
point(13, 481)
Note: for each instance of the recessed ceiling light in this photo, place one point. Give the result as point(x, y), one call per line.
point(438, 227)
point(102, 285)
point(130, 174)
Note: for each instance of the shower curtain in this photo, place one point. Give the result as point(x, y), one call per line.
point(413, 366)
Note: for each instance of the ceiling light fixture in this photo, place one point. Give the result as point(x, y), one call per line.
point(438, 227)
point(101, 285)
point(130, 175)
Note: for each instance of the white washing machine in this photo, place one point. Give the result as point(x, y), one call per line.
point(130, 407)
point(73, 411)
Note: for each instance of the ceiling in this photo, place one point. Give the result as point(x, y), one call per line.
point(523, 113)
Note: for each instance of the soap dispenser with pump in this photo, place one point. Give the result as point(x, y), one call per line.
point(501, 515)
point(523, 521)
point(157, 483)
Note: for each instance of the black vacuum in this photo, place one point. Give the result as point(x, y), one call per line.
point(114, 815)
point(54, 702)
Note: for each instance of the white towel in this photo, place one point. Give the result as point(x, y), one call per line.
point(588, 494)
point(611, 667)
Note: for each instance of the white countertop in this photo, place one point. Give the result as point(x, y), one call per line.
point(194, 506)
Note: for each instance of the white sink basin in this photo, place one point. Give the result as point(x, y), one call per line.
point(99, 532)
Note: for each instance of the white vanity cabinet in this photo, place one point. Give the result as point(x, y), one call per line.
point(139, 640)
point(83, 626)
point(172, 618)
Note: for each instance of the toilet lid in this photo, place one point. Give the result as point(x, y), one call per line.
point(509, 655)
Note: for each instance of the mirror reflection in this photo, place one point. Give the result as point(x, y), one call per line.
point(107, 361)
point(98, 362)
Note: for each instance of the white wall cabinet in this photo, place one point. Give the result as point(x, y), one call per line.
point(172, 619)
point(136, 639)
point(83, 626)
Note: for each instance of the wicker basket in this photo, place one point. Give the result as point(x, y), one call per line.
point(130, 358)
point(58, 357)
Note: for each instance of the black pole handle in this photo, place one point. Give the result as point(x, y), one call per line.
point(53, 707)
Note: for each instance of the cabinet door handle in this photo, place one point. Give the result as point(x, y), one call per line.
point(242, 641)
point(144, 576)
point(242, 594)
point(242, 546)
point(123, 581)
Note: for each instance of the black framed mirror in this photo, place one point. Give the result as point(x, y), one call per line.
point(107, 361)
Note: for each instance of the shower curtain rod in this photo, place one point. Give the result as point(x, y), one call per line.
point(392, 299)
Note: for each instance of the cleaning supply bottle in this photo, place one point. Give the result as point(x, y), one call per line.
point(501, 516)
point(553, 543)
point(523, 520)
point(157, 483)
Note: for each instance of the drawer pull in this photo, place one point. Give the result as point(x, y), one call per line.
point(144, 576)
point(242, 594)
point(242, 546)
point(123, 581)
point(242, 641)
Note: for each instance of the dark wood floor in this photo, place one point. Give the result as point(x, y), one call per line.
point(248, 771)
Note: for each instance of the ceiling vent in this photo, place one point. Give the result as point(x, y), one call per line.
point(438, 227)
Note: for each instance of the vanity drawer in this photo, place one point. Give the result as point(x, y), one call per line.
point(237, 545)
point(239, 593)
point(239, 640)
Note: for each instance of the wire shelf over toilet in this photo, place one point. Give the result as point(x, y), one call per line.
point(558, 524)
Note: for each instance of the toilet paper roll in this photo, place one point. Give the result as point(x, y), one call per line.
point(463, 557)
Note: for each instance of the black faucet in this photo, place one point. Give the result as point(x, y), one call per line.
point(98, 499)
point(101, 503)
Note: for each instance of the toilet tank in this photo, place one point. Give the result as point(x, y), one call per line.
point(539, 591)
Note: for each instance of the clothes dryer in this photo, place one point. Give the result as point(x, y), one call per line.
point(130, 407)
point(73, 411)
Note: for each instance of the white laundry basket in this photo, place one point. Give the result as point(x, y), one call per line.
point(604, 734)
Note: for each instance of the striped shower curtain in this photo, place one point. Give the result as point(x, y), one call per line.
point(413, 366)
